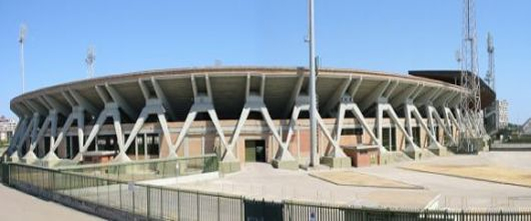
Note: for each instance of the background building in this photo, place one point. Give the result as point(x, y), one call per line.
point(502, 113)
point(7, 128)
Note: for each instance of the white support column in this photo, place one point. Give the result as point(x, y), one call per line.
point(121, 157)
point(336, 97)
point(54, 104)
point(379, 123)
point(376, 94)
point(407, 114)
point(79, 114)
point(229, 148)
point(292, 123)
point(20, 129)
point(294, 94)
point(95, 129)
point(83, 102)
point(184, 130)
point(407, 94)
point(79, 104)
point(392, 86)
point(284, 155)
point(35, 129)
point(144, 90)
point(353, 107)
point(122, 103)
point(110, 110)
point(283, 158)
point(334, 156)
point(30, 156)
point(340, 117)
point(412, 150)
point(27, 133)
point(434, 144)
point(432, 113)
point(450, 118)
point(153, 106)
point(336, 151)
point(23, 137)
point(160, 94)
point(53, 131)
point(51, 156)
point(35, 107)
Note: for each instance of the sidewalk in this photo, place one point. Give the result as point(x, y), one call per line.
point(16, 205)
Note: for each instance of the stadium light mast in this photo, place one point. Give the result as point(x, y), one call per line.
point(91, 57)
point(314, 158)
point(491, 77)
point(471, 102)
point(21, 38)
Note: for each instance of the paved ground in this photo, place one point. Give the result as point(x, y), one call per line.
point(486, 172)
point(17, 205)
point(351, 178)
point(262, 181)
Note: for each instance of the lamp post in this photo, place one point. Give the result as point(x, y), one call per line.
point(21, 39)
point(314, 158)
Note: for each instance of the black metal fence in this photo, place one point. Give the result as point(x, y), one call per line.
point(160, 203)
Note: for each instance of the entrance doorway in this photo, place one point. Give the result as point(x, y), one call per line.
point(255, 151)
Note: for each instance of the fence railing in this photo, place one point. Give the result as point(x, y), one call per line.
point(161, 203)
point(152, 202)
point(150, 169)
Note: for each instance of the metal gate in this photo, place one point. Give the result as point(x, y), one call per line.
point(256, 210)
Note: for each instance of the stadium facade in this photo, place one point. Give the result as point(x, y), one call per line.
point(243, 114)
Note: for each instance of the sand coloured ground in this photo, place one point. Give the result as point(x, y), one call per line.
point(484, 172)
point(351, 178)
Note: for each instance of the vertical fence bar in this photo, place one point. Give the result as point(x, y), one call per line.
point(161, 203)
point(120, 194)
point(219, 211)
point(198, 208)
point(178, 205)
point(133, 193)
point(148, 198)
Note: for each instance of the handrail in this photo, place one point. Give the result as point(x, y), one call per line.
point(136, 162)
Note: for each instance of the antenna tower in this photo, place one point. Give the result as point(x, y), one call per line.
point(21, 39)
point(91, 57)
point(491, 78)
point(471, 102)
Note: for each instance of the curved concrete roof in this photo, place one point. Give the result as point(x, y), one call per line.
point(228, 87)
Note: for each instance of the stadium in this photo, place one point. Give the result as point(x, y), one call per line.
point(242, 114)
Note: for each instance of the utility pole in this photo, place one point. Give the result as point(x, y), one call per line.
point(21, 39)
point(314, 158)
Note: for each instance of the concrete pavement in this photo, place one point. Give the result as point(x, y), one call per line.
point(17, 205)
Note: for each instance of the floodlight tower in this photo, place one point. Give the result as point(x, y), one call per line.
point(314, 158)
point(91, 57)
point(21, 39)
point(491, 77)
point(471, 102)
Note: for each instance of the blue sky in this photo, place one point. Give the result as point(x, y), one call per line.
point(385, 35)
